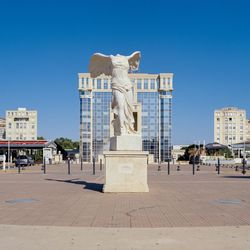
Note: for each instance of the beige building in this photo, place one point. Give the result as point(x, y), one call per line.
point(21, 124)
point(2, 128)
point(230, 125)
point(248, 130)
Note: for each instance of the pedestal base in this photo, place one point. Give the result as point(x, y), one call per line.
point(126, 142)
point(125, 171)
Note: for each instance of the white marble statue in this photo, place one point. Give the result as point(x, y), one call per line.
point(122, 97)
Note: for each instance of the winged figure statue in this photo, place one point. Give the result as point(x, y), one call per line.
point(118, 67)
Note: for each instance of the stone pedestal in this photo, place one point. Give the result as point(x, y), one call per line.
point(126, 171)
point(126, 142)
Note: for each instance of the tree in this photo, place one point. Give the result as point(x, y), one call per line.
point(40, 138)
point(67, 143)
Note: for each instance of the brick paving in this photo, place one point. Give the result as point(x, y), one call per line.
point(176, 200)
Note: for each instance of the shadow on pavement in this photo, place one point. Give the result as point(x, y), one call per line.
point(87, 185)
point(237, 177)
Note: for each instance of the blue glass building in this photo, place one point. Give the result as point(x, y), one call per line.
point(153, 114)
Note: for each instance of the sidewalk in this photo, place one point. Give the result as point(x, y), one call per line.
point(71, 238)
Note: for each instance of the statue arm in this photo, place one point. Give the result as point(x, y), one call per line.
point(100, 64)
point(134, 60)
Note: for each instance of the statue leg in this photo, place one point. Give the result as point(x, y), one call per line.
point(119, 99)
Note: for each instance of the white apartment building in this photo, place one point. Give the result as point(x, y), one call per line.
point(2, 128)
point(21, 124)
point(230, 125)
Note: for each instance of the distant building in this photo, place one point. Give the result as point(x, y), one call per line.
point(21, 124)
point(2, 128)
point(230, 126)
point(152, 114)
point(178, 151)
point(248, 130)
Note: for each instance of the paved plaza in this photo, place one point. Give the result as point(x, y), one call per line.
point(176, 205)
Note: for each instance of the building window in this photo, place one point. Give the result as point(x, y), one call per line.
point(164, 82)
point(152, 83)
point(145, 83)
point(17, 125)
point(87, 83)
point(169, 81)
point(218, 119)
point(93, 83)
point(9, 125)
point(139, 84)
point(82, 82)
point(105, 84)
point(99, 84)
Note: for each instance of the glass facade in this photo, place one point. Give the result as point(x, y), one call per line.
point(155, 113)
point(85, 126)
point(101, 122)
point(150, 122)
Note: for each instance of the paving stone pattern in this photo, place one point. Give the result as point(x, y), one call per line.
point(176, 200)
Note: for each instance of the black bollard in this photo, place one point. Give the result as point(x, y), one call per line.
point(178, 168)
point(44, 165)
point(19, 168)
point(100, 164)
point(193, 167)
point(244, 166)
point(236, 168)
point(93, 165)
point(218, 166)
point(81, 163)
point(68, 166)
point(159, 167)
point(168, 167)
point(198, 168)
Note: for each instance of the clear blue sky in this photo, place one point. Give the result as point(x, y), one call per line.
point(44, 44)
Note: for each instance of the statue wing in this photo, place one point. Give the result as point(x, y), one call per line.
point(100, 64)
point(134, 60)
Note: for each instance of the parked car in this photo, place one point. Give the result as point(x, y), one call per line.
point(24, 160)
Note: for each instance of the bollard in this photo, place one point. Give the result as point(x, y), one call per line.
point(81, 163)
point(68, 166)
point(178, 168)
point(244, 166)
point(93, 165)
point(193, 167)
point(19, 167)
point(218, 166)
point(44, 165)
point(236, 168)
point(100, 164)
point(4, 158)
point(168, 167)
point(159, 167)
point(198, 168)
